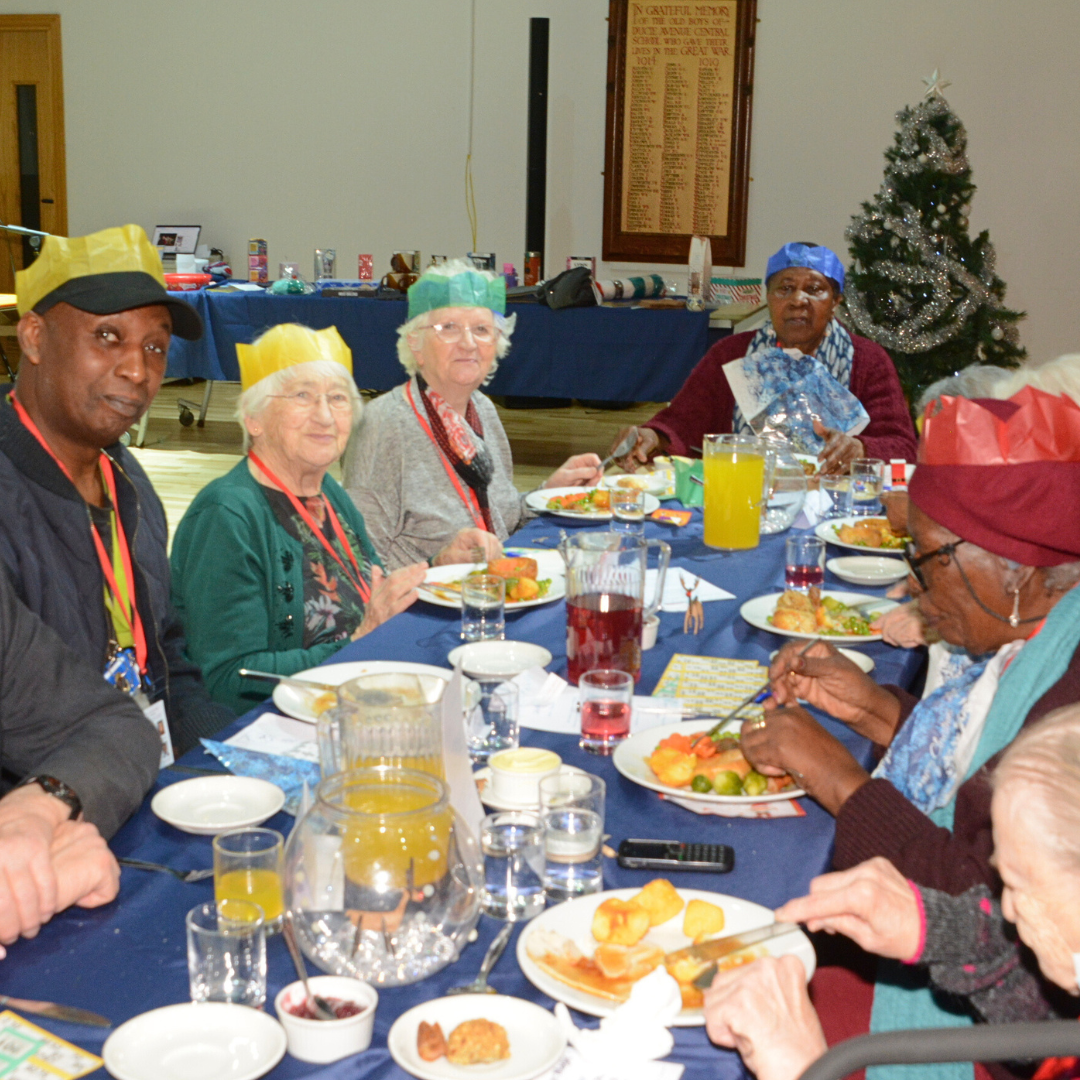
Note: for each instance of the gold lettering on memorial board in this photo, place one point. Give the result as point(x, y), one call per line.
point(677, 121)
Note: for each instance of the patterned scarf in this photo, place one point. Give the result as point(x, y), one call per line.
point(928, 759)
point(836, 352)
point(477, 468)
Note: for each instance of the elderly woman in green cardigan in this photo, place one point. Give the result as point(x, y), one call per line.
point(272, 567)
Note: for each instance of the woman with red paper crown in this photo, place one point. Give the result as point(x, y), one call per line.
point(995, 522)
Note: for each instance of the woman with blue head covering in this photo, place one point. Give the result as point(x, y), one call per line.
point(804, 286)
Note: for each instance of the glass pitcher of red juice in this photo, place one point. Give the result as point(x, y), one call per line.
point(605, 599)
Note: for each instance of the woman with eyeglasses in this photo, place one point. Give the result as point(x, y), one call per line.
point(994, 518)
point(431, 458)
point(272, 566)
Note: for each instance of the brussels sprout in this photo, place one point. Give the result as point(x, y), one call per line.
point(727, 783)
point(701, 784)
point(754, 783)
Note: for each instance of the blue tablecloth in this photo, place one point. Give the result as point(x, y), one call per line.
point(129, 956)
point(603, 354)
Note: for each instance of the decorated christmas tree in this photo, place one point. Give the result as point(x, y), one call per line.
point(919, 285)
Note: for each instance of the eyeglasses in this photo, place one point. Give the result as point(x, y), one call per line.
point(452, 332)
point(306, 401)
point(916, 561)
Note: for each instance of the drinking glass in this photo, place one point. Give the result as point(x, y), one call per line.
point(248, 865)
point(735, 485)
point(491, 718)
point(628, 511)
point(513, 847)
point(804, 562)
point(867, 480)
point(606, 701)
point(226, 948)
point(838, 487)
point(483, 608)
point(572, 810)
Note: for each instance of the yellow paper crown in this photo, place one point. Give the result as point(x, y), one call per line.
point(63, 258)
point(287, 345)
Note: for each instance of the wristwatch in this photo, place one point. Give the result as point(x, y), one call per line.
point(58, 789)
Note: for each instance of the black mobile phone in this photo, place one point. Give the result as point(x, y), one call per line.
point(674, 855)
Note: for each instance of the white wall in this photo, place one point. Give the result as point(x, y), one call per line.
point(343, 123)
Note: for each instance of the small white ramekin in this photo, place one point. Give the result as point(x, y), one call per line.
point(321, 1041)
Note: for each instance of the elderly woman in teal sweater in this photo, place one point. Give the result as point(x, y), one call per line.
point(272, 567)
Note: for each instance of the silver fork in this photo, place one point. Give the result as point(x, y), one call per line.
point(186, 876)
point(491, 958)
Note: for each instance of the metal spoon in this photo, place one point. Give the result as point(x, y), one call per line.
point(491, 958)
point(305, 684)
point(186, 876)
point(622, 449)
point(319, 1006)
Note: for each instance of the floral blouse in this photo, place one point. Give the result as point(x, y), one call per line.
point(333, 609)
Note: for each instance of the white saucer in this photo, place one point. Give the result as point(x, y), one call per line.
point(490, 799)
point(502, 659)
point(208, 805)
point(868, 569)
point(211, 1041)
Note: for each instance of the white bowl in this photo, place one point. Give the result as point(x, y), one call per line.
point(522, 785)
point(208, 805)
point(211, 1041)
point(505, 659)
point(321, 1041)
point(868, 569)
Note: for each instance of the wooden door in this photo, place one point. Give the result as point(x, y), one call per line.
point(33, 183)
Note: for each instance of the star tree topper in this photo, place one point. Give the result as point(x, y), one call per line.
point(935, 84)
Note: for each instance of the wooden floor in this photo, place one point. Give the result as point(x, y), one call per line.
point(182, 460)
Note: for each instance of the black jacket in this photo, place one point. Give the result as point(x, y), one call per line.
point(59, 717)
point(46, 546)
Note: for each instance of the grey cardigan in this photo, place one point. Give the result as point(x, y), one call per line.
point(395, 475)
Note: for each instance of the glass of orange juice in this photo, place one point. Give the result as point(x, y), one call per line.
point(248, 864)
point(735, 474)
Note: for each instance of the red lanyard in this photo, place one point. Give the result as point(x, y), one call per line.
point(358, 582)
point(472, 504)
point(131, 615)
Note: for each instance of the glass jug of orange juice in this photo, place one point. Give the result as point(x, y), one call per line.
point(735, 483)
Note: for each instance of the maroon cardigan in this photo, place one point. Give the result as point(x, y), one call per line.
point(878, 820)
point(705, 403)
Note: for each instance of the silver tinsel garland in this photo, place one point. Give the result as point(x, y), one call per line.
point(921, 331)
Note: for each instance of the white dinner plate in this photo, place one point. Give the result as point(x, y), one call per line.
point(573, 920)
point(454, 573)
point(301, 704)
point(757, 611)
point(865, 662)
point(488, 798)
point(498, 659)
point(868, 569)
point(211, 1041)
point(630, 754)
point(538, 501)
point(208, 805)
point(656, 483)
point(536, 1039)
point(828, 528)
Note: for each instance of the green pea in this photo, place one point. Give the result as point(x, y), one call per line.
point(727, 783)
point(701, 784)
point(754, 783)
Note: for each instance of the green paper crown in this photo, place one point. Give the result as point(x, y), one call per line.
point(469, 289)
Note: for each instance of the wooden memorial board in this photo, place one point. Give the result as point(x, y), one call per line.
point(677, 154)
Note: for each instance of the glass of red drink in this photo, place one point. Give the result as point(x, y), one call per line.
point(606, 702)
point(804, 564)
point(605, 600)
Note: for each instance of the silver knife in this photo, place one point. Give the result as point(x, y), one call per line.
point(55, 1012)
point(725, 946)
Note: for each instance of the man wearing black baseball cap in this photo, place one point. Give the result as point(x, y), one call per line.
point(84, 535)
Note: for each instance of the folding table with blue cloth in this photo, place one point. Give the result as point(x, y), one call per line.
point(599, 353)
point(130, 956)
